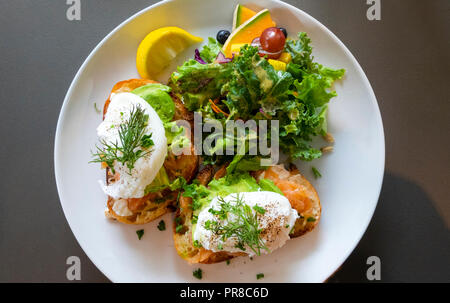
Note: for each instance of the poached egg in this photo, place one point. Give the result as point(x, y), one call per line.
point(276, 222)
point(132, 184)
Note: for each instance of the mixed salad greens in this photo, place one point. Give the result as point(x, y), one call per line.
point(247, 87)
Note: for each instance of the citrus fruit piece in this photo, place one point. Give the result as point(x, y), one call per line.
point(160, 47)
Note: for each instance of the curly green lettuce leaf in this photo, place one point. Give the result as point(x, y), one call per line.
point(197, 83)
point(314, 88)
point(210, 51)
point(243, 91)
point(301, 52)
point(256, 84)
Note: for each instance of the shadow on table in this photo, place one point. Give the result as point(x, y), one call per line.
point(407, 234)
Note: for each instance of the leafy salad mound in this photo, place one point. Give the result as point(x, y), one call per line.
point(249, 87)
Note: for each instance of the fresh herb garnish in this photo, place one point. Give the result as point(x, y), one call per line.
point(244, 225)
point(198, 273)
point(197, 192)
point(311, 219)
point(228, 262)
point(96, 108)
point(292, 230)
point(316, 173)
point(259, 209)
point(132, 137)
point(162, 225)
point(179, 226)
point(197, 244)
point(259, 276)
point(147, 141)
point(140, 233)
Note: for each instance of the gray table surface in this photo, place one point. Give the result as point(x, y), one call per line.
point(406, 56)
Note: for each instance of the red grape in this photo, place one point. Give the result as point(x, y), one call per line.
point(272, 40)
point(263, 53)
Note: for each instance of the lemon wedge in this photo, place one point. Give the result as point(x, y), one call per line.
point(160, 47)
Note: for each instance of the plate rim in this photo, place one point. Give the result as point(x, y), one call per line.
point(359, 70)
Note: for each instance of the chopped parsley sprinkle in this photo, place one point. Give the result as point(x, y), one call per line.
point(179, 228)
point(259, 209)
point(316, 173)
point(311, 219)
point(162, 225)
point(287, 226)
point(228, 262)
point(292, 230)
point(198, 273)
point(259, 276)
point(96, 108)
point(197, 244)
point(140, 233)
point(146, 141)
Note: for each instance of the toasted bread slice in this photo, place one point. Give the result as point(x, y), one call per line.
point(153, 205)
point(183, 238)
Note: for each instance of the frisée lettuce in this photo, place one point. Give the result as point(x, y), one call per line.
point(249, 87)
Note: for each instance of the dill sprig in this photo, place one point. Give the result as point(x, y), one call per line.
point(131, 136)
point(244, 224)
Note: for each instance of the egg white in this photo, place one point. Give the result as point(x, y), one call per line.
point(277, 221)
point(132, 185)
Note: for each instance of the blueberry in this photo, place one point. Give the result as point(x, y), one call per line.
point(284, 31)
point(222, 36)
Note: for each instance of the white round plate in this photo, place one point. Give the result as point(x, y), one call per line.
point(349, 188)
